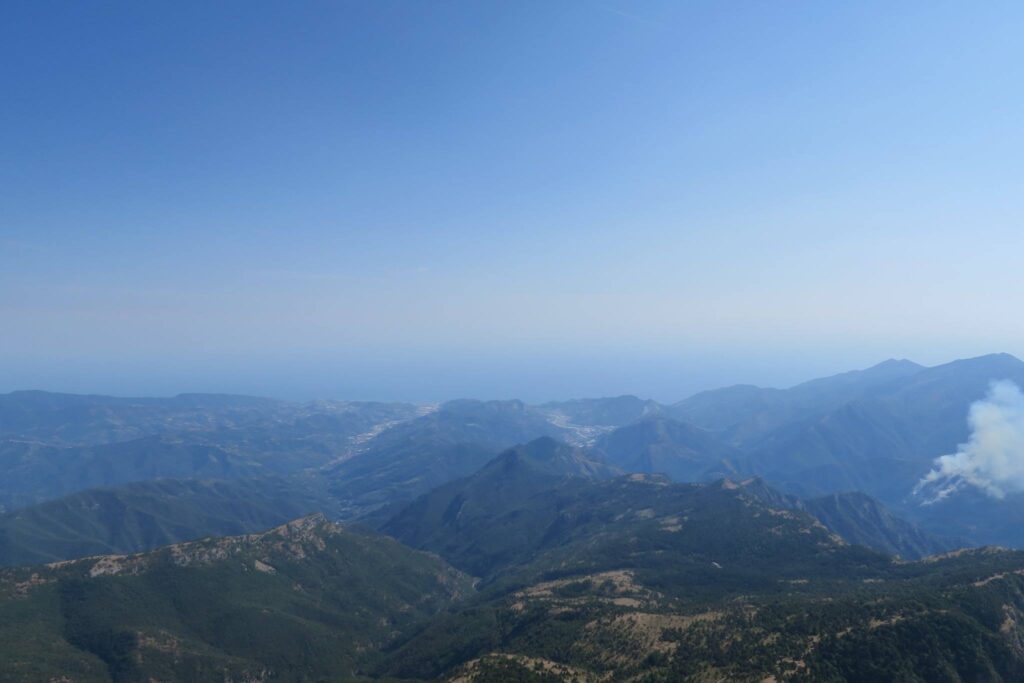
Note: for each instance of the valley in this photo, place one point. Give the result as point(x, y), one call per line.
point(743, 535)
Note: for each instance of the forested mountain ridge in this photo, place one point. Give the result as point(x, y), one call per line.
point(543, 556)
point(746, 412)
point(308, 600)
point(639, 578)
point(661, 445)
point(415, 456)
point(144, 515)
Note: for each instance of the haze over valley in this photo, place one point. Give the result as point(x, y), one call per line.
point(626, 516)
point(467, 341)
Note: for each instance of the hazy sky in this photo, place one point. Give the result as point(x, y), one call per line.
point(422, 200)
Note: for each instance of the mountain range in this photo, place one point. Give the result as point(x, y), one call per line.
point(308, 596)
point(744, 533)
point(583, 574)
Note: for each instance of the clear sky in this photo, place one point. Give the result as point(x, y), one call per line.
point(421, 200)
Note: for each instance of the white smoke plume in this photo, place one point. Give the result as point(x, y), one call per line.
point(993, 457)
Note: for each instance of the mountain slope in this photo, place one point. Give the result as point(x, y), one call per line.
point(146, 515)
point(416, 456)
point(474, 520)
point(859, 518)
point(35, 473)
point(662, 445)
point(604, 525)
point(973, 515)
point(638, 579)
point(88, 420)
point(746, 412)
point(629, 578)
point(72, 419)
point(191, 436)
point(859, 446)
point(883, 442)
point(305, 601)
point(952, 619)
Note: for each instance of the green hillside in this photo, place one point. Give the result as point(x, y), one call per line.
point(644, 580)
point(306, 601)
point(661, 445)
point(146, 515)
point(416, 456)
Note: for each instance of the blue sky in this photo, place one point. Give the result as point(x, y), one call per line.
point(422, 200)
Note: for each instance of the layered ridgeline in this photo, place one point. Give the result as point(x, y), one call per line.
point(637, 578)
point(145, 515)
point(956, 619)
point(594, 579)
point(77, 420)
point(529, 497)
point(70, 419)
point(36, 473)
point(860, 519)
point(745, 413)
point(53, 445)
point(661, 445)
point(491, 518)
point(876, 431)
point(305, 601)
point(886, 440)
point(374, 454)
point(414, 457)
point(133, 495)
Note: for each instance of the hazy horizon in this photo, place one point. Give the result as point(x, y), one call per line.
point(396, 202)
point(377, 389)
point(419, 201)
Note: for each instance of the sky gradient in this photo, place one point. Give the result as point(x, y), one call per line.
point(424, 200)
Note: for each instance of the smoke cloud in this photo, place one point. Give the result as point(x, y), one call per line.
point(992, 460)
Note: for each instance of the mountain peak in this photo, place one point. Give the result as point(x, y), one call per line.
point(1001, 357)
point(988, 360)
point(896, 364)
point(548, 456)
point(297, 528)
point(295, 538)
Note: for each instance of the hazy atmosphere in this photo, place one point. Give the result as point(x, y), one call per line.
point(511, 341)
point(420, 201)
